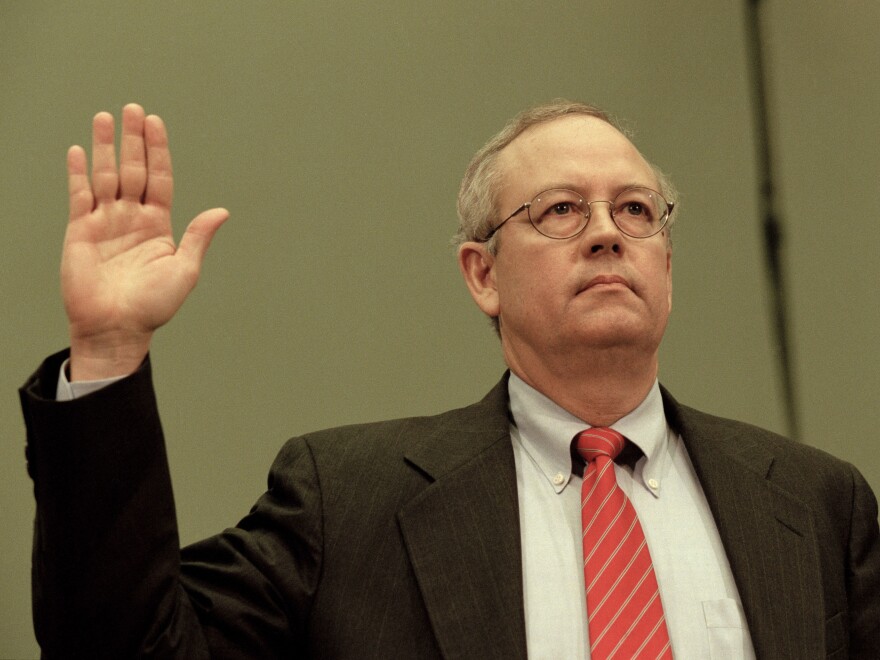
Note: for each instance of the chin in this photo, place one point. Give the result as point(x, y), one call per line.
point(610, 336)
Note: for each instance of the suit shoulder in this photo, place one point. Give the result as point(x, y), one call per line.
point(453, 429)
point(741, 438)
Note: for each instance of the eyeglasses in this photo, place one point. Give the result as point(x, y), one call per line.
point(559, 213)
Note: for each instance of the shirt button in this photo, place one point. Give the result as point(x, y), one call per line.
point(558, 479)
point(653, 484)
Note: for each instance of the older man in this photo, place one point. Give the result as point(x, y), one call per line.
point(576, 511)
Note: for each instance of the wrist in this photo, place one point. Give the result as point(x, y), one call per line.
point(106, 357)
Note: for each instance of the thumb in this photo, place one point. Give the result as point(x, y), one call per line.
point(198, 235)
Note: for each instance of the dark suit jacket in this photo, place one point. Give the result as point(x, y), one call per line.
point(399, 539)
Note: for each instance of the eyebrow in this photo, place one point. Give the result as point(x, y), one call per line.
point(580, 190)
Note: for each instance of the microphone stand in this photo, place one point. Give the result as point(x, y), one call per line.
point(773, 231)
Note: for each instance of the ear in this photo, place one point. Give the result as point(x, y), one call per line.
point(477, 266)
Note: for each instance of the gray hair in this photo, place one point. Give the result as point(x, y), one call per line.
point(477, 212)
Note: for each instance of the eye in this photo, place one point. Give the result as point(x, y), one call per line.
point(558, 213)
point(562, 208)
point(634, 208)
point(556, 205)
point(637, 204)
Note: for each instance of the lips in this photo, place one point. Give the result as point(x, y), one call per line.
point(601, 280)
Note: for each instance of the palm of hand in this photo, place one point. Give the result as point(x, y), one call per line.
point(119, 272)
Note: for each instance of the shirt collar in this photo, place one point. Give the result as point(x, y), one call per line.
point(545, 431)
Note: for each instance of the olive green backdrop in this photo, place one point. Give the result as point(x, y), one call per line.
point(336, 133)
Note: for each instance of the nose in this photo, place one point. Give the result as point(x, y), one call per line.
point(601, 234)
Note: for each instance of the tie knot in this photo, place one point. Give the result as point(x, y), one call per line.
point(599, 441)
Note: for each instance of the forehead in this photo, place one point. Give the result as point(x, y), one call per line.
point(572, 151)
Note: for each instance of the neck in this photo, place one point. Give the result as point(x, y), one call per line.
point(598, 387)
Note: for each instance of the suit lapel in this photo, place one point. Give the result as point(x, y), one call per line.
point(767, 533)
point(462, 534)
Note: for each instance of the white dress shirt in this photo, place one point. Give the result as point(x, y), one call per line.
point(700, 599)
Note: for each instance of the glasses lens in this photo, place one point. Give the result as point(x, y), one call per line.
point(558, 213)
point(640, 212)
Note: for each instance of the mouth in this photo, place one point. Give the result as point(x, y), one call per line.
point(606, 281)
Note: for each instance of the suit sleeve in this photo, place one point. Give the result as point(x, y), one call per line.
point(864, 572)
point(108, 580)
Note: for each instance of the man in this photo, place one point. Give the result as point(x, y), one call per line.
point(460, 535)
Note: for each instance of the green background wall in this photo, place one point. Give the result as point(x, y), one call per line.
point(337, 132)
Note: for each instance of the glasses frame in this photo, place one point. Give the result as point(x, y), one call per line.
point(588, 215)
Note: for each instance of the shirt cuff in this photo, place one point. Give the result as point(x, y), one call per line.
point(67, 391)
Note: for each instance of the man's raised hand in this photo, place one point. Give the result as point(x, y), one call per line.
point(121, 274)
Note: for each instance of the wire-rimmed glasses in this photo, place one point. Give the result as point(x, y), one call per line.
point(559, 213)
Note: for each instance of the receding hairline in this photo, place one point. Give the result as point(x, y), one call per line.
point(501, 156)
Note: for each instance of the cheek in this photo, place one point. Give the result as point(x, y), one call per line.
point(518, 296)
point(658, 279)
point(525, 291)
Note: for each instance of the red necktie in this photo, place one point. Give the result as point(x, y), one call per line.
point(624, 611)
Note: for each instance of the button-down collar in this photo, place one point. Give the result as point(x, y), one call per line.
point(545, 430)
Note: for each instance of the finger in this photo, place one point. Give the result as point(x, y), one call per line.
point(132, 157)
point(198, 236)
point(160, 181)
point(81, 199)
point(105, 178)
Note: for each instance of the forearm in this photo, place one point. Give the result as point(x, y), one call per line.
point(106, 554)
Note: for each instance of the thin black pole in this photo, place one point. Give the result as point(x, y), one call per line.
point(773, 231)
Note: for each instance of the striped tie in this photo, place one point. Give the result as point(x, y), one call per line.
point(624, 611)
